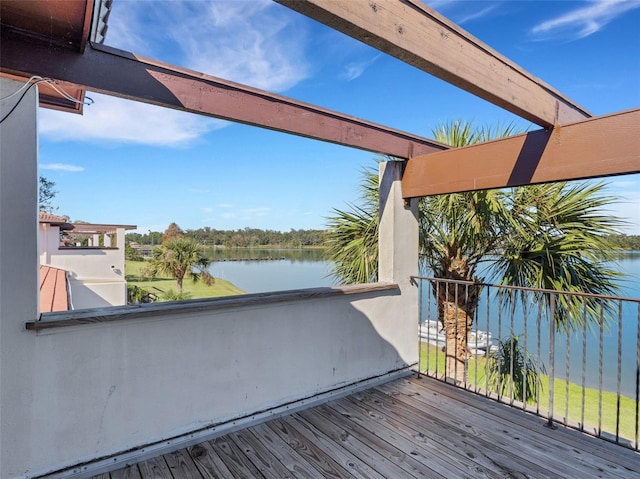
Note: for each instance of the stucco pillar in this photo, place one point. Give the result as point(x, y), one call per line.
point(398, 257)
point(398, 240)
point(18, 269)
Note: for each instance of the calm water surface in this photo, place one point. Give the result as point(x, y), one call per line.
point(296, 269)
point(260, 273)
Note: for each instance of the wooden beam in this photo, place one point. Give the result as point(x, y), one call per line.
point(419, 36)
point(601, 146)
point(126, 75)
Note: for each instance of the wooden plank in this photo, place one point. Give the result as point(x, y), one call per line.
point(419, 36)
point(154, 468)
point(350, 462)
point(285, 453)
point(181, 464)
point(152, 310)
point(267, 463)
point(374, 453)
point(208, 462)
point(428, 453)
point(127, 75)
point(234, 459)
point(602, 146)
point(491, 431)
point(313, 454)
point(601, 454)
point(452, 441)
point(102, 476)
point(129, 472)
point(400, 452)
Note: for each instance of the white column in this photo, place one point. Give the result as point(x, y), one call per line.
point(18, 271)
point(398, 236)
point(398, 257)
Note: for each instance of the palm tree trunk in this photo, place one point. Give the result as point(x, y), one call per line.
point(179, 288)
point(457, 325)
point(456, 307)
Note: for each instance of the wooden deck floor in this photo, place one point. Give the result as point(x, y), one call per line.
point(403, 429)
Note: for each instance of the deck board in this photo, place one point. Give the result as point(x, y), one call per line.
point(618, 461)
point(408, 428)
point(208, 462)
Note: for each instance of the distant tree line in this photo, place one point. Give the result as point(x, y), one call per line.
point(241, 238)
point(626, 242)
point(254, 237)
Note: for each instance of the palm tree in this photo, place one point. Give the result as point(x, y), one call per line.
point(550, 236)
point(178, 258)
point(353, 238)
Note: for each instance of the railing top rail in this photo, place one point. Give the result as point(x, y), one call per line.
point(524, 288)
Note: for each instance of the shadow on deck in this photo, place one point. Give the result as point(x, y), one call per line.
point(411, 427)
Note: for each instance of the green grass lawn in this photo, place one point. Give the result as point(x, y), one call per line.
point(160, 285)
point(432, 358)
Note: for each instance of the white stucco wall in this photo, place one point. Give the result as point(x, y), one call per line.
point(78, 393)
point(106, 388)
point(97, 294)
point(18, 273)
point(96, 275)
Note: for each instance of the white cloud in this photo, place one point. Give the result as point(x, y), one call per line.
point(255, 43)
point(247, 214)
point(463, 11)
point(584, 21)
point(114, 119)
point(256, 211)
point(60, 167)
point(355, 69)
point(476, 15)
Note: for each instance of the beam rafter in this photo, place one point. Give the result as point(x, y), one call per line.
point(596, 147)
point(115, 72)
point(419, 36)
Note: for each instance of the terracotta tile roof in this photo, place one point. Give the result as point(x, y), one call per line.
point(49, 218)
point(53, 290)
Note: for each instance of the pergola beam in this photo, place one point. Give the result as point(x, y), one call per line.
point(419, 36)
point(601, 146)
point(126, 75)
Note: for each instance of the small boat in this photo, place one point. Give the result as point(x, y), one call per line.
point(478, 341)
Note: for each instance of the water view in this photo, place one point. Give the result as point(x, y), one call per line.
point(263, 270)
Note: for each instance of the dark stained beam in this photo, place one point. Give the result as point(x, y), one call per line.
point(419, 36)
point(123, 74)
point(601, 146)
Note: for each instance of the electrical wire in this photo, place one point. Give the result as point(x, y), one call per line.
point(30, 83)
point(18, 102)
point(25, 85)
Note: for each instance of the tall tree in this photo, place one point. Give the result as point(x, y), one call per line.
point(172, 232)
point(179, 258)
point(46, 194)
point(552, 236)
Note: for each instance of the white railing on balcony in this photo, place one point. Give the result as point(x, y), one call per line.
point(586, 376)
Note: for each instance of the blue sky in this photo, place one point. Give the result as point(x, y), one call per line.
point(129, 163)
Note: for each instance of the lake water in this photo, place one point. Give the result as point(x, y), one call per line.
point(260, 273)
point(296, 269)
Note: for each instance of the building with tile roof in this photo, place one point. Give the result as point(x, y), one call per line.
point(89, 256)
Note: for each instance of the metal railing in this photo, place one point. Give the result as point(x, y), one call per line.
point(586, 376)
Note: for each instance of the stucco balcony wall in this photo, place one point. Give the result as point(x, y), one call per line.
point(99, 389)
